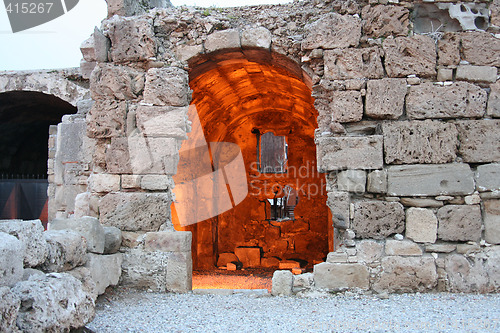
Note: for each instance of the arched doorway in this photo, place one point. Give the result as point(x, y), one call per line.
point(261, 102)
point(25, 118)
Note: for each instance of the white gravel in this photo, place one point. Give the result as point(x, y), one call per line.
point(133, 311)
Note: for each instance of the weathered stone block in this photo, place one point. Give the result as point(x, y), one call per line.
point(479, 140)
point(112, 240)
point(67, 250)
point(421, 202)
point(342, 64)
point(179, 272)
point(341, 106)
point(86, 68)
point(332, 31)
point(410, 55)
point(223, 39)
point(154, 155)
point(184, 52)
point(30, 233)
point(109, 81)
point(369, 251)
point(167, 86)
point(162, 121)
point(101, 45)
point(88, 227)
point(376, 181)
point(256, 37)
point(104, 182)
point(459, 100)
point(83, 275)
point(459, 223)
point(305, 280)
point(352, 181)
point(378, 219)
point(421, 225)
point(132, 39)
point(157, 182)
point(407, 274)
point(135, 211)
point(465, 276)
point(9, 308)
point(118, 157)
point(445, 74)
point(384, 21)
point(429, 180)
point(225, 258)
point(131, 181)
point(339, 203)
point(341, 276)
point(481, 48)
point(449, 49)
point(488, 177)
point(282, 283)
point(493, 109)
point(492, 221)
point(105, 270)
point(248, 256)
point(441, 248)
point(55, 302)
point(402, 248)
point(11, 260)
point(106, 119)
point(385, 98)
point(476, 73)
point(168, 241)
point(142, 269)
point(337, 153)
point(495, 13)
point(408, 142)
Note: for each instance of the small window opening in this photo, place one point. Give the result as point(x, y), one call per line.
point(272, 153)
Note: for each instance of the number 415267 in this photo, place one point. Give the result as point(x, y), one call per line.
point(29, 8)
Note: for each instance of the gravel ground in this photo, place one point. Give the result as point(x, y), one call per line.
point(136, 311)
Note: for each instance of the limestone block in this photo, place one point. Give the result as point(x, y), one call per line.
point(488, 177)
point(407, 274)
point(87, 49)
point(421, 202)
point(83, 275)
point(376, 181)
point(131, 181)
point(135, 211)
point(449, 49)
point(352, 181)
point(385, 98)
point(410, 55)
point(154, 155)
point(9, 308)
point(256, 37)
point(305, 280)
point(339, 203)
point(493, 109)
point(184, 52)
point(112, 239)
point(495, 13)
point(492, 221)
point(102, 45)
point(179, 272)
point(115, 82)
point(86, 68)
point(428, 141)
point(225, 258)
point(430, 179)
point(157, 182)
point(479, 140)
point(165, 121)
point(465, 276)
point(476, 73)
point(70, 143)
point(421, 225)
point(106, 119)
point(377, 219)
point(402, 248)
point(67, 250)
point(445, 74)
point(332, 31)
point(369, 251)
point(11, 260)
point(168, 241)
point(337, 153)
point(248, 256)
point(132, 39)
point(117, 157)
point(341, 106)
point(341, 276)
point(55, 302)
point(104, 182)
point(459, 223)
point(441, 247)
point(384, 21)
point(459, 100)
point(336, 257)
point(167, 86)
point(88, 227)
point(143, 269)
point(223, 39)
point(105, 270)
point(30, 233)
point(282, 283)
point(343, 64)
point(480, 48)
